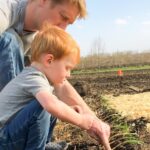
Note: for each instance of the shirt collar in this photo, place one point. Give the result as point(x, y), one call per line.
point(21, 16)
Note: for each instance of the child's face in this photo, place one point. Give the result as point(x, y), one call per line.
point(59, 70)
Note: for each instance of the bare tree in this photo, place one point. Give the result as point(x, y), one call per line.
point(97, 51)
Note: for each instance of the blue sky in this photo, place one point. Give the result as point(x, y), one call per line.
point(119, 25)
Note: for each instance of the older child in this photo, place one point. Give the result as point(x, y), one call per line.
point(28, 103)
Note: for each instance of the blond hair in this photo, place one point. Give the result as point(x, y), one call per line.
point(55, 41)
point(80, 4)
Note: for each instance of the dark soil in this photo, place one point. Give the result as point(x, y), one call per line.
point(91, 87)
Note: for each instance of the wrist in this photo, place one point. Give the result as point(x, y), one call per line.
point(87, 121)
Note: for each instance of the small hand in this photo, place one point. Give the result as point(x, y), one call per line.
point(77, 108)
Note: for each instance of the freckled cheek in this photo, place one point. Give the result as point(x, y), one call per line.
point(60, 75)
point(52, 20)
point(56, 20)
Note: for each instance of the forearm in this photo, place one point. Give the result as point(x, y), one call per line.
point(62, 111)
point(69, 95)
point(95, 127)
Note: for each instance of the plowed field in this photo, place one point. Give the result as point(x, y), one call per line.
point(128, 96)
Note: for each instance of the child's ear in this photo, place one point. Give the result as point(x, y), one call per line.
point(49, 58)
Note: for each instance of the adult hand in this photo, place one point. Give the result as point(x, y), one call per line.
point(100, 131)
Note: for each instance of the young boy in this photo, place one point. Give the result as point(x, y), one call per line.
point(28, 103)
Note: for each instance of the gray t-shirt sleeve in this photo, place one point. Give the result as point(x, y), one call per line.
point(36, 82)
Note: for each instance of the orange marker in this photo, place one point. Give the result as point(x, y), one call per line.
point(120, 73)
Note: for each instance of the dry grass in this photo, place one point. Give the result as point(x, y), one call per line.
point(131, 106)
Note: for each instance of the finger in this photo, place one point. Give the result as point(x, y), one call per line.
point(102, 140)
point(107, 147)
point(106, 144)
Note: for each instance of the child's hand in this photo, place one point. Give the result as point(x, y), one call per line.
point(77, 108)
point(100, 131)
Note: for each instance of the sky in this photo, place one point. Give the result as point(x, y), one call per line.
point(114, 25)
